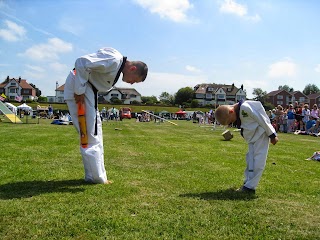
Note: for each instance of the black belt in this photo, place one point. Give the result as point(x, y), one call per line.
point(95, 91)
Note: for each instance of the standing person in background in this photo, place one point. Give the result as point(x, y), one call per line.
point(96, 72)
point(278, 118)
point(315, 113)
point(305, 114)
point(298, 111)
point(291, 119)
point(50, 111)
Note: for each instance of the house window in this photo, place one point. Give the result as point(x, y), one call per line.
point(114, 95)
point(302, 99)
point(13, 84)
point(279, 102)
point(25, 91)
point(12, 90)
point(221, 96)
point(239, 97)
point(288, 99)
point(133, 96)
point(210, 89)
point(208, 96)
point(279, 96)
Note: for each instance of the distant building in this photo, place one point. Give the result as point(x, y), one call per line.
point(279, 97)
point(126, 95)
point(59, 94)
point(300, 97)
point(284, 98)
point(314, 99)
point(13, 88)
point(218, 94)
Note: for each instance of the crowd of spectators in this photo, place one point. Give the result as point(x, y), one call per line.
point(296, 118)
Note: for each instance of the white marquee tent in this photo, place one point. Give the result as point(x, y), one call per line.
point(12, 107)
point(24, 107)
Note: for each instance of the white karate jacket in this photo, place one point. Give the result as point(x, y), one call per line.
point(99, 68)
point(254, 121)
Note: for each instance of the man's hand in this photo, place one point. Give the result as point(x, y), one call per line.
point(79, 98)
point(274, 140)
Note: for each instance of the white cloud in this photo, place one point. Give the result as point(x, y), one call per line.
point(48, 51)
point(250, 85)
point(12, 32)
point(35, 68)
point(58, 67)
point(33, 75)
point(232, 7)
point(284, 68)
point(71, 25)
point(157, 83)
point(192, 69)
point(174, 10)
point(317, 68)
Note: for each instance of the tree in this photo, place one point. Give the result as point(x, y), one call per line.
point(42, 99)
point(259, 94)
point(149, 100)
point(184, 95)
point(310, 89)
point(285, 87)
point(166, 98)
point(115, 100)
point(194, 103)
point(38, 91)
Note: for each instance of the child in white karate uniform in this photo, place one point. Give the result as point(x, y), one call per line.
point(256, 129)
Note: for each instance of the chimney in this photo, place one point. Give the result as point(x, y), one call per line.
point(19, 79)
point(57, 84)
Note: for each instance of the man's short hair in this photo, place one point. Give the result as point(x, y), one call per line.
point(142, 69)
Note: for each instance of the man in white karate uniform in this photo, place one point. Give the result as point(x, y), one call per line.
point(256, 129)
point(93, 73)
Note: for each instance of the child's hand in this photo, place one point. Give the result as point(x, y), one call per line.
point(274, 140)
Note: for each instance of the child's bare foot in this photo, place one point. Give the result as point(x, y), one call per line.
point(108, 182)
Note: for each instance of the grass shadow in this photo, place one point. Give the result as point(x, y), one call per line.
point(33, 188)
point(228, 194)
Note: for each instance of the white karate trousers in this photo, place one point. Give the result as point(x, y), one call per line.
point(93, 155)
point(256, 161)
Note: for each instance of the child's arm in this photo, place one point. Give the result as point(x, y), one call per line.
point(262, 119)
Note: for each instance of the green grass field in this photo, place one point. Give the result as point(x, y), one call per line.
point(169, 182)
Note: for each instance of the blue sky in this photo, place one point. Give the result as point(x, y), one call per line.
point(260, 44)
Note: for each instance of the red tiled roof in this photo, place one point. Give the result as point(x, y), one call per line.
point(61, 88)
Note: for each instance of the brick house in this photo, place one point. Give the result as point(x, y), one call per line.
point(217, 94)
point(279, 97)
point(314, 99)
point(13, 88)
point(284, 98)
point(300, 97)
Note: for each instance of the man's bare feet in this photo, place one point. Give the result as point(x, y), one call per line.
point(108, 182)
